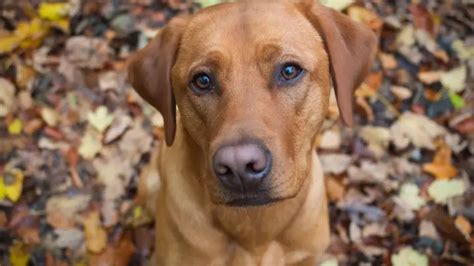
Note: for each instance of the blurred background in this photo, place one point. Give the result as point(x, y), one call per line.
point(76, 142)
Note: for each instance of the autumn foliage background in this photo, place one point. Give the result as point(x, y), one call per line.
point(75, 138)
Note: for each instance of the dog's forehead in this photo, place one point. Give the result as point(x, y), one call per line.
point(249, 24)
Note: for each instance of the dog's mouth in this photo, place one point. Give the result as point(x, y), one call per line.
point(252, 201)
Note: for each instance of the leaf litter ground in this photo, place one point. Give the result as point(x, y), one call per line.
point(77, 143)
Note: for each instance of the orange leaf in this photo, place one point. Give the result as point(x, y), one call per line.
point(441, 167)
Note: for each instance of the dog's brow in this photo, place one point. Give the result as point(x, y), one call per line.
point(213, 59)
point(269, 51)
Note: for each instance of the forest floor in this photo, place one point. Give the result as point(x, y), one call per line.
point(75, 137)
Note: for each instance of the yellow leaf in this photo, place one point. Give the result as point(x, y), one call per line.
point(13, 190)
point(2, 189)
point(62, 24)
point(96, 237)
point(18, 255)
point(53, 11)
point(90, 145)
point(100, 119)
point(27, 35)
point(15, 127)
point(9, 43)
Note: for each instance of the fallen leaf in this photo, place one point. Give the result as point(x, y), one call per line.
point(377, 138)
point(406, 37)
point(53, 11)
point(428, 229)
point(446, 226)
point(7, 97)
point(96, 236)
point(456, 142)
point(374, 229)
point(135, 142)
point(71, 238)
point(330, 139)
point(416, 129)
point(464, 226)
point(19, 256)
point(464, 52)
point(335, 188)
point(422, 18)
point(402, 93)
point(50, 116)
point(338, 5)
point(455, 79)
point(429, 77)
point(441, 166)
point(87, 52)
point(117, 128)
point(355, 233)
point(66, 206)
point(11, 185)
point(408, 256)
point(100, 119)
point(443, 190)
point(90, 145)
point(118, 254)
point(388, 61)
point(26, 35)
point(335, 163)
point(15, 127)
point(365, 16)
point(332, 261)
point(409, 193)
point(59, 221)
point(456, 100)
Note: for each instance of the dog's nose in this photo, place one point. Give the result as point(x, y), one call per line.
point(242, 167)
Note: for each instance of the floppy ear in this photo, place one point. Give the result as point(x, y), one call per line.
point(149, 73)
point(351, 47)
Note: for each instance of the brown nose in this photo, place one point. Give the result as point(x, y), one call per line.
point(242, 167)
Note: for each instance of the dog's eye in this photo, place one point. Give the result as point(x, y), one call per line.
point(290, 71)
point(201, 83)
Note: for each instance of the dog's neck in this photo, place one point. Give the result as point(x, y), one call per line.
point(224, 222)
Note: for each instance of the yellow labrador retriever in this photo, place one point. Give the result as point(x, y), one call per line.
point(241, 182)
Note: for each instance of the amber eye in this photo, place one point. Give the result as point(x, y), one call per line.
point(201, 83)
point(290, 71)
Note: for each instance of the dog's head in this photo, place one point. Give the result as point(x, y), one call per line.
point(252, 82)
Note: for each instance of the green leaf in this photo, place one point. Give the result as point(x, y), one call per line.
point(456, 100)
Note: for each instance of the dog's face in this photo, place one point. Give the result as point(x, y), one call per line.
point(252, 82)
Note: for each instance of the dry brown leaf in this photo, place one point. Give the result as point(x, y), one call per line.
point(96, 236)
point(429, 77)
point(388, 61)
point(441, 167)
point(59, 221)
point(116, 255)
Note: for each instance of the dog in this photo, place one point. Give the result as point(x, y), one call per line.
point(241, 183)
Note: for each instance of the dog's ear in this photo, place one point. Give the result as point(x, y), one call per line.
point(149, 72)
point(351, 47)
